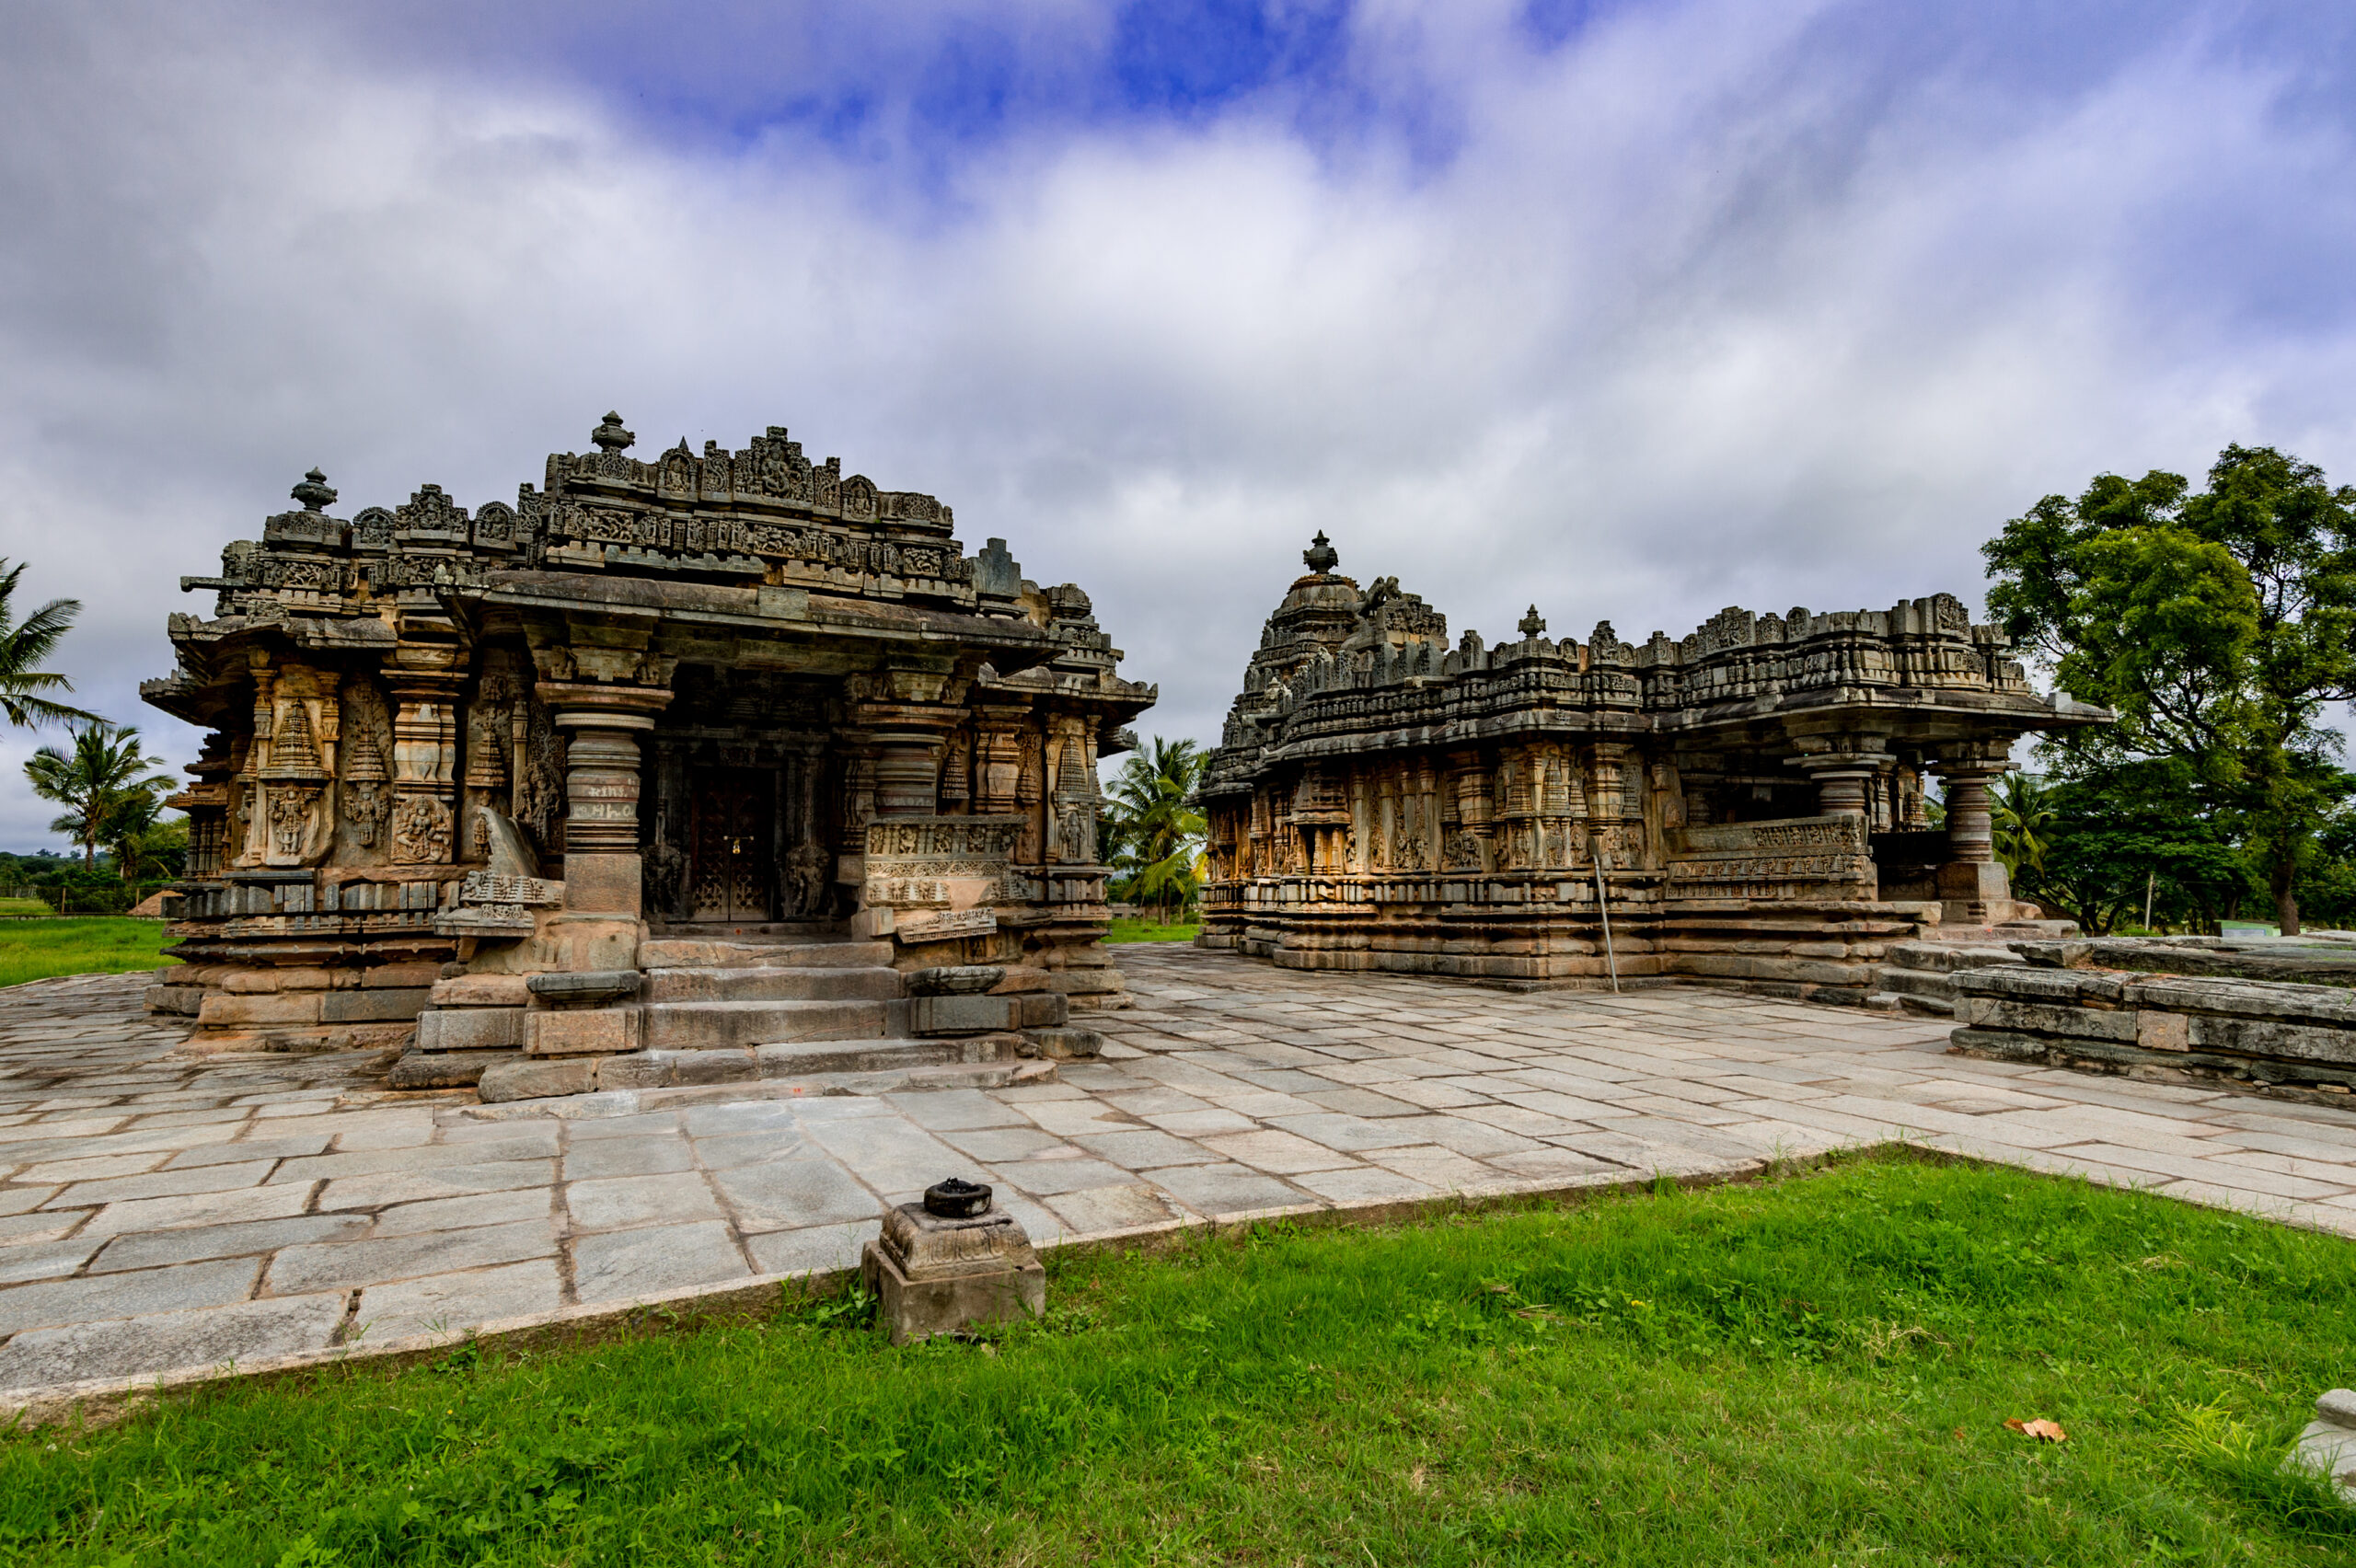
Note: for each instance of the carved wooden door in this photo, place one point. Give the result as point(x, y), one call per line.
point(729, 871)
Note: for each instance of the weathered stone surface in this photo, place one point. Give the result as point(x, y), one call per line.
point(1066, 1044)
point(534, 1079)
point(2279, 1033)
point(956, 980)
point(585, 985)
point(582, 1031)
point(163, 1342)
point(482, 991)
point(933, 1275)
point(2327, 1446)
point(963, 1014)
point(443, 1070)
point(470, 1028)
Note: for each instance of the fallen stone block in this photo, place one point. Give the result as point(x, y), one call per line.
point(1066, 1045)
point(528, 1079)
point(443, 1070)
point(470, 1028)
point(954, 980)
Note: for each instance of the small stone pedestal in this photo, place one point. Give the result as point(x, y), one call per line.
point(2328, 1444)
point(935, 1274)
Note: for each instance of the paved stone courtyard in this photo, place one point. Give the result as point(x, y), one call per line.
point(161, 1211)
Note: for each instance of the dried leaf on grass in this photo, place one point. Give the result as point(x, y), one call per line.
point(2044, 1431)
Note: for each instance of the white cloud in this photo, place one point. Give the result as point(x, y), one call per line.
point(1710, 306)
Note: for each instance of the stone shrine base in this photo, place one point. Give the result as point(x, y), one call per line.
point(162, 1211)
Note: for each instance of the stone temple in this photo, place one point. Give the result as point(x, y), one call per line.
point(716, 766)
point(1745, 805)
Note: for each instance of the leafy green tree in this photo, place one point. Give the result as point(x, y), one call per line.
point(142, 844)
point(2219, 625)
point(94, 781)
point(1156, 838)
point(2120, 832)
point(25, 646)
point(2021, 816)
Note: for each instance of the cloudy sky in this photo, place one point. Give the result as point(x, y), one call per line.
point(1634, 310)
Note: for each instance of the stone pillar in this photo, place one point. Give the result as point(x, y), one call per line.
point(1972, 884)
point(1843, 770)
point(907, 772)
point(602, 869)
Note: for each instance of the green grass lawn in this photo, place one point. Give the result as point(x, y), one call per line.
point(1129, 930)
point(1813, 1371)
point(96, 944)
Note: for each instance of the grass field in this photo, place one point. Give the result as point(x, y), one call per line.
point(34, 950)
point(1129, 930)
point(1814, 1371)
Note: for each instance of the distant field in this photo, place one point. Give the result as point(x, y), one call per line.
point(34, 906)
point(103, 944)
point(1124, 930)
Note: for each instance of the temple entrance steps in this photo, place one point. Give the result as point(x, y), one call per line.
point(704, 994)
point(1920, 976)
point(674, 951)
point(804, 1012)
point(699, 1026)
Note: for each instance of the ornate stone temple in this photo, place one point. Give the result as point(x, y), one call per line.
point(707, 754)
point(1745, 805)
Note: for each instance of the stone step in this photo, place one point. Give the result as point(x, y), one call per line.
point(774, 983)
point(694, 1026)
point(599, 1103)
point(1947, 957)
point(802, 1059)
point(1916, 982)
point(697, 953)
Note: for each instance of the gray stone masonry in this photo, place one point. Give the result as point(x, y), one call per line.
point(160, 1210)
point(2289, 1036)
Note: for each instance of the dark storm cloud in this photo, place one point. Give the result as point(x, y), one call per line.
point(1633, 311)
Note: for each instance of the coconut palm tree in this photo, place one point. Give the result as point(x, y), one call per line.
point(24, 646)
point(2021, 815)
point(1157, 834)
point(94, 781)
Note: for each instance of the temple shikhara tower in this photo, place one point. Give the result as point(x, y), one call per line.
point(722, 764)
point(1746, 804)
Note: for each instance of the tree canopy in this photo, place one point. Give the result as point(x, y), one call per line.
point(2221, 625)
point(25, 646)
point(1154, 835)
point(107, 784)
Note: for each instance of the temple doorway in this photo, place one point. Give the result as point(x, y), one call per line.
point(732, 865)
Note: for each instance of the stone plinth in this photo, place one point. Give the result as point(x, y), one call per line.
point(935, 1275)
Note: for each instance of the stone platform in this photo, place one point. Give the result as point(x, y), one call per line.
point(162, 1211)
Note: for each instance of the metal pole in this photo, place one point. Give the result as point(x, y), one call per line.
point(1610, 961)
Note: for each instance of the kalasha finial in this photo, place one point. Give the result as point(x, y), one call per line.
point(1319, 557)
point(610, 436)
point(1530, 624)
point(313, 492)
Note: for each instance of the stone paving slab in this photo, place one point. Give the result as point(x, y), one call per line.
point(159, 1211)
